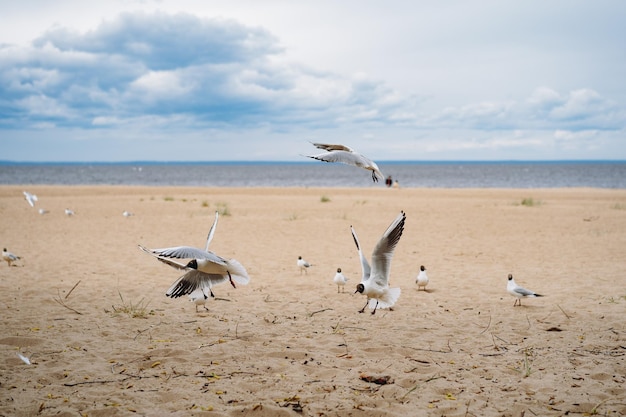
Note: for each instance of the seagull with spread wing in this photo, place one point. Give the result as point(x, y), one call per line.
point(375, 281)
point(346, 155)
point(204, 270)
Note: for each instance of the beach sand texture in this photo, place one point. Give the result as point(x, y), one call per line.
point(89, 308)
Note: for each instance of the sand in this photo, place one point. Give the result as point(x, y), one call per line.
point(89, 308)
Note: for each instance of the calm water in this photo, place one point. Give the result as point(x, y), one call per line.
point(596, 174)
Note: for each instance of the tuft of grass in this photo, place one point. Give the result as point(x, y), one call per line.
point(292, 217)
point(324, 199)
point(205, 203)
point(529, 202)
point(168, 198)
point(138, 310)
point(619, 206)
point(223, 209)
point(526, 368)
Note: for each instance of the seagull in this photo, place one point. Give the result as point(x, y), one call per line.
point(127, 213)
point(340, 280)
point(69, 212)
point(375, 281)
point(303, 265)
point(422, 278)
point(346, 155)
point(204, 270)
point(43, 211)
point(31, 198)
point(9, 257)
point(199, 297)
point(519, 292)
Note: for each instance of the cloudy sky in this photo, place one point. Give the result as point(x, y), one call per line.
point(178, 80)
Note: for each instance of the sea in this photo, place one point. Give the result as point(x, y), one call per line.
point(415, 174)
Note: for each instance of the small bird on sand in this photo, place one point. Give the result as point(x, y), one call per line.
point(303, 265)
point(69, 212)
point(340, 280)
point(422, 278)
point(9, 257)
point(199, 298)
point(346, 155)
point(519, 292)
point(375, 281)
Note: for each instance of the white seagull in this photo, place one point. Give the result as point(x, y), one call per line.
point(303, 265)
point(519, 292)
point(340, 280)
point(69, 212)
point(204, 270)
point(43, 211)
point(126, 213)
point(9, 257)
point(31, 198)
point(346, 155)
point(422, 278)
point(375, 281)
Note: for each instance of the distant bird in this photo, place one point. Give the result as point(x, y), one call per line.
point(519, 292)
point(30, 198)
point(422, 278)
point(346, 155)
point(69, 212)
point(43, 211)
point(127, 213)
point(375, 281)
point(340, 280)
point(9, 257)
point(303, 265)
point(204, 270)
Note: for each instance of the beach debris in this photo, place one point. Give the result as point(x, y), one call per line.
point(23, 358)
point(379, 379)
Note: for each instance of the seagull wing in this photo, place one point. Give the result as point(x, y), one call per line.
point(523, 291)
point(211, 232)
point(383, 252)
point(365, 266)
point(185, 252)
point(332, 147)
point(192, 281)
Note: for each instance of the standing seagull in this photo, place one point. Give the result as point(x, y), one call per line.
point(9, 257)
point(340, 280)
point(375, 281)
point(422, 279)
point(519, 292)
point(346, 155)
point(31, 198)
point(69, 212)
point(204, 270)
point(303, 265)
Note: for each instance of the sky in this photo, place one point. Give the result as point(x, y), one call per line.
point(247, 80)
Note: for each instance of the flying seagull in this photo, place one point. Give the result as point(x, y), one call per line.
point(204, 270)
point(31, 198)
point(346, 155)
point(375, 281)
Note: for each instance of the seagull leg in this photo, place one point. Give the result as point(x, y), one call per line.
point(205, 308)
point(366, 303)
point(374, 177)
point(231, 279)
point(375, 307)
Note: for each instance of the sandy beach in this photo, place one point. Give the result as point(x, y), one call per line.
point(88, 309)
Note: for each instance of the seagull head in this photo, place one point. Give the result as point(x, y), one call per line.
point(510, 277)
point(193, 264)
point(338, 269)
point(422, 268)
point(360, 288)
